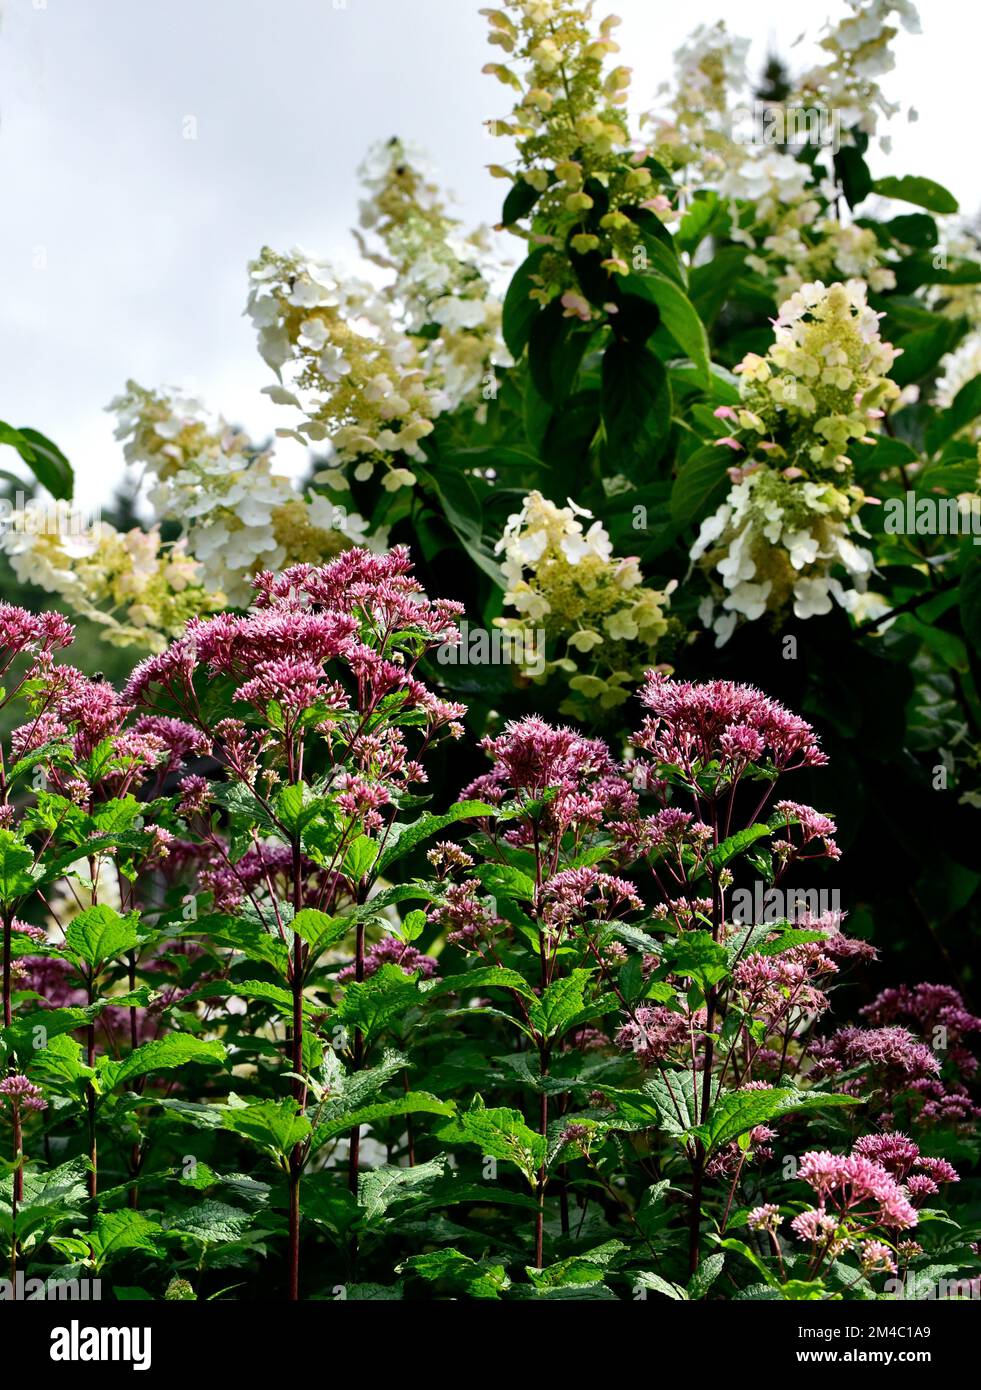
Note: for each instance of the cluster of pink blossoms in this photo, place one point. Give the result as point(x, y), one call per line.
point(573, 897)
point(874, 1186)
point(893, 1055)
point(693, 725)
point(531, 758)
point(341, 640)
point(653, 1032)
point(391, 951)
point(21, 1093)
point(37, 635)
point(935, 1011)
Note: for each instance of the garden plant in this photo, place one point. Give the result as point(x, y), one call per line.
point(409, 879)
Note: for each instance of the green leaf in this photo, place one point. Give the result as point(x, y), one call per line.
point(519, 311)
point(695, 955)
point(162, 1054)
point(725, 852)
point(411, 1103)
point(275, 1125)
point(403, 838)
point(635, 406)
point(484, 977)
point(319, 930)
point(705, 1275)
point(740, 1111)
point(212, 1223)
point(925, 193)
point(372, 1005)
point(701, 485)
point(16, 868)
point(360, 856)
point(43, 458)
point(505, 881)
point(922, 350)
point(115, 1232)
point(260, 990)
point(697, 220)
point(852, 172)
point(99, 934)
point(499, 1133)
point(382, 1187)
point(964, 410)
point(458, 1272)
point(657, 1284)
point(578, 1270)
point(296, 807)
point(679, 317)
point(561, 1004)
point(31, 1032)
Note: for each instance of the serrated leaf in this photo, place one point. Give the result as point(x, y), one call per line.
point(276, 1125)
point(99, 934)
point(372, 1004)
point(404, 837)
point(741, 1111)
point(411, 1103)
point(116, 1232)
point(499, 1133)
point(162, 1054)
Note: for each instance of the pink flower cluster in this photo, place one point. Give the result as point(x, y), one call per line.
point(692, 725)
point(652, 1032)
point(391, 951)
point(937, 1012)
point(531, 758)
point(858, 1188)
point(573, 897)
point(21, 1093)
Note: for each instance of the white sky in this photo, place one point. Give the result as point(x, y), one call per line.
point(123, 244)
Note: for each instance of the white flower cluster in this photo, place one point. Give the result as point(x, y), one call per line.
point(957, 368)
point(441, 288)
point(344, 361)
point(710, 71)
point(776, 542)
point(703, 136)
point(237, 514)
point(372, 368)
point(786, 534)
point(859, 53)
point(140, 590)
point(825, 249)
point(565, 582)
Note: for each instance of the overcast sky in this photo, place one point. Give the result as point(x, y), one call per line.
point(123, 243)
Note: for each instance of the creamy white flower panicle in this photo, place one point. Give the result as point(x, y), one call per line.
point(956, 369)
point(690, 128)
point(788, 535)
point(859, 53)
point(343, 359)
point(566, 584)
point(713, 133)
point(140, 590)
point(239, 516)
point(776, 543)
point(371, 368)
point(441, 286)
